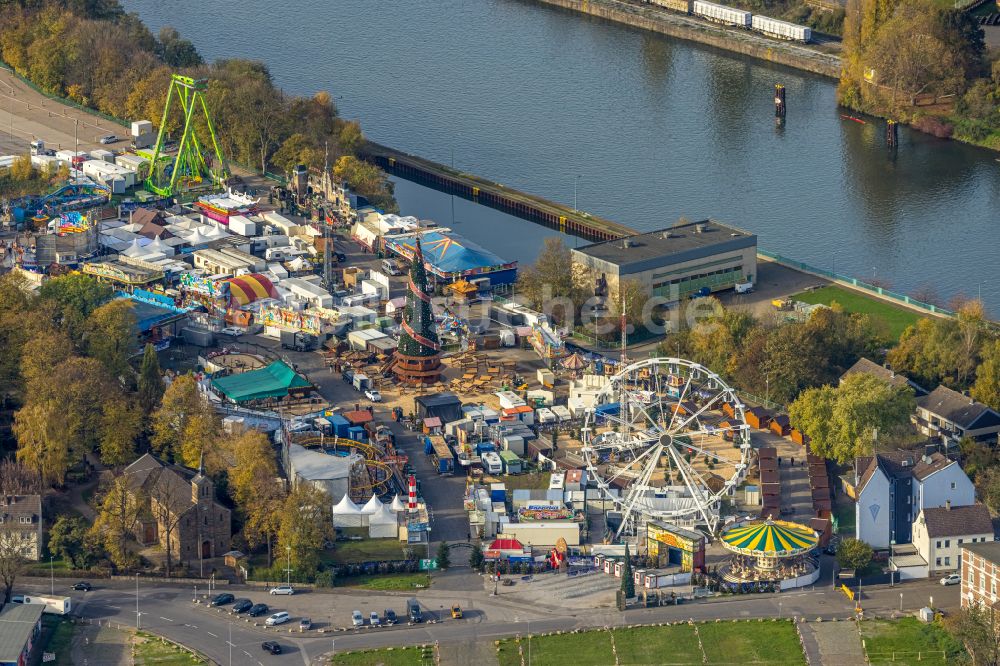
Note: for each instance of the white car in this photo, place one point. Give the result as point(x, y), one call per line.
point(277, 618)
point(357, 619)
point(374, 619)
point(109, 139)
point(373, 395)
point(283, 589)
point(951, 579)
point(234, 331)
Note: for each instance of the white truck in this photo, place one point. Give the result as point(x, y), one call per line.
point(53, 605)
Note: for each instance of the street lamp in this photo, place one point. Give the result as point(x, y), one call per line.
point(52, 579)
point(138, 615)
point(900, 602)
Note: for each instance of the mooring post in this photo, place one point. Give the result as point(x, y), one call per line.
point(779, 100)
point(891, 133)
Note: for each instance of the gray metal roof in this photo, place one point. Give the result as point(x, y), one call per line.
point(671, 245)
point(17, 621)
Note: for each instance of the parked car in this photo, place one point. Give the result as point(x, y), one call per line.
point(389, 616)
point(283, 589)
point(242, 606)
point(233, 331)
point(951, 579)
point(257, 610)
point(82, 586)
point(357, 619)
point(280, 617)
point(456, 612)
point(109, 139)
point(223, 599)
point(374, 619)
point(305, 624)
point(271, 646)
point(373, 395)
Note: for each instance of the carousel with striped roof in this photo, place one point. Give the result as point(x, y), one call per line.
point(769, 551)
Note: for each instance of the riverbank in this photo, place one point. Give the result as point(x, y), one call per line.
point(692, 29)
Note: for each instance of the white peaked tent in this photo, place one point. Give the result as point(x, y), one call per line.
point(159, 246)
point(398, 504)
point(197, 238)
point(383, 524)
point(372, 506)
point(133, 250)
point(347, 514)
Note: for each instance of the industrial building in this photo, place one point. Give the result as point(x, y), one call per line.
point(677, 262)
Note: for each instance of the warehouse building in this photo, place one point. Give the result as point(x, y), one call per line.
point(676, 262)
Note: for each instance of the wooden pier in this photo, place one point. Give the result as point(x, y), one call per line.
point(526, 206)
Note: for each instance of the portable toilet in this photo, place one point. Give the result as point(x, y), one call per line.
point(619, 568)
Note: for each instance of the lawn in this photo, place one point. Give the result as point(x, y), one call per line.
point(403, 581)
point(149, 650)
point(846, 517)
point(60, 636)
point(908, 641)
point(677, 644)
point(894, 318)
point(366, 550)
point(536, 481)
point(768, 642)
point(60, 567)
point(590, 648)
point(409, 656)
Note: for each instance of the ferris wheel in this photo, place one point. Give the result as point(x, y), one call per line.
point(666, 440)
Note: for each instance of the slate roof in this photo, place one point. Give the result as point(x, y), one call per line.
point(904, 464)
point(961, 410)
point(21, 506)
point(958, 521)
point(988, 550)
point(869, 367)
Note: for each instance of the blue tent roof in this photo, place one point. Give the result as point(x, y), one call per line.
point(449, 253)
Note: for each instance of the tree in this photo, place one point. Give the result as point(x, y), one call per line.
point(367, 180)
point(843, 422)
point(443, 555)
point(121, 425)
point(22, 169)
point(17, 479)
point(853, 554)
point(306, 526)
point(110, 332)
point(150, 385)
point(628, 584)
point(68, 539)
point(14, 551)
point(988, 488)
point(168, 500)
point(987, 387)
point(253, 488)
point(976, 626)
point(476, 558)
point(548, 284)
point(183, 414)
point(77, 295)
point(176, 52)
point(121, 509)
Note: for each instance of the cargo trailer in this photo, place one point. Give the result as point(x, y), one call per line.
point(721, 14)
point(781, 29)
point(682, 6)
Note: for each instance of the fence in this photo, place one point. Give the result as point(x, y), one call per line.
point(936, 656)
point(874, 290)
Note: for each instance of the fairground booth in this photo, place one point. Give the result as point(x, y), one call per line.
point(449, 257)
point(672, 546)
point(269, 384)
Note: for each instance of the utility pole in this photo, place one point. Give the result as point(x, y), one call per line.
point(288, 570)
point(138, 615)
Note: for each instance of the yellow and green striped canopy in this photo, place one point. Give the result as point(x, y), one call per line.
point(776, 538)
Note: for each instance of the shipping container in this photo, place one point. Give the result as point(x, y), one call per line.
point(683, 6)
point(781, 29)
point(721, 14)
point(242, 226)
point(140, 127)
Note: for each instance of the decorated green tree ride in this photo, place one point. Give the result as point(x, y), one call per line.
point(418, 356)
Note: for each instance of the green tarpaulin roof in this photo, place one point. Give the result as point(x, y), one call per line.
point(274, 381)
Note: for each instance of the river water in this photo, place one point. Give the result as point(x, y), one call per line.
point(648, 128)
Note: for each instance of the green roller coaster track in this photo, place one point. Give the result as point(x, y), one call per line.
point(189, 167)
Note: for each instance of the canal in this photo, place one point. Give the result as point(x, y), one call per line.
point(643, 127)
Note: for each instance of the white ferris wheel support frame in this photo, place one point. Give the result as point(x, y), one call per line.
point(648, 443)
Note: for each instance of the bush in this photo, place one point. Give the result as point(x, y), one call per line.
point(324, 579)
point(854, 554)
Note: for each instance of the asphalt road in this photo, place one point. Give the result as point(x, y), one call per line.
point(168, 610)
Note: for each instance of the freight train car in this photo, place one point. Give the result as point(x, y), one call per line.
point(721, 14)
point(682, 6)
point(780, 29)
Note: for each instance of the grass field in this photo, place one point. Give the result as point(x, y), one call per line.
point(894, 318)
point(367, 550)
point(768, 642)
point(60, 638)
point(149, 651)
point(403, 581)
point(908, 641)
point(846, 518)
point(535, 481)
point(411, 656)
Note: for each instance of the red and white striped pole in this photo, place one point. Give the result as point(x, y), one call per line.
point(411, 503)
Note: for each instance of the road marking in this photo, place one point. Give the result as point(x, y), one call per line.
point(193, 626)
point(211, 634)
point(166, 619)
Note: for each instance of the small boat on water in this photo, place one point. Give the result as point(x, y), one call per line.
point(854, 118)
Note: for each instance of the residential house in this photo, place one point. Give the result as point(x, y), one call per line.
point(980, 571)
point(21, 518)
point(868, 367)
point(948, 416)
point(940, 532)
point(897, 485)
point(182, 500)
